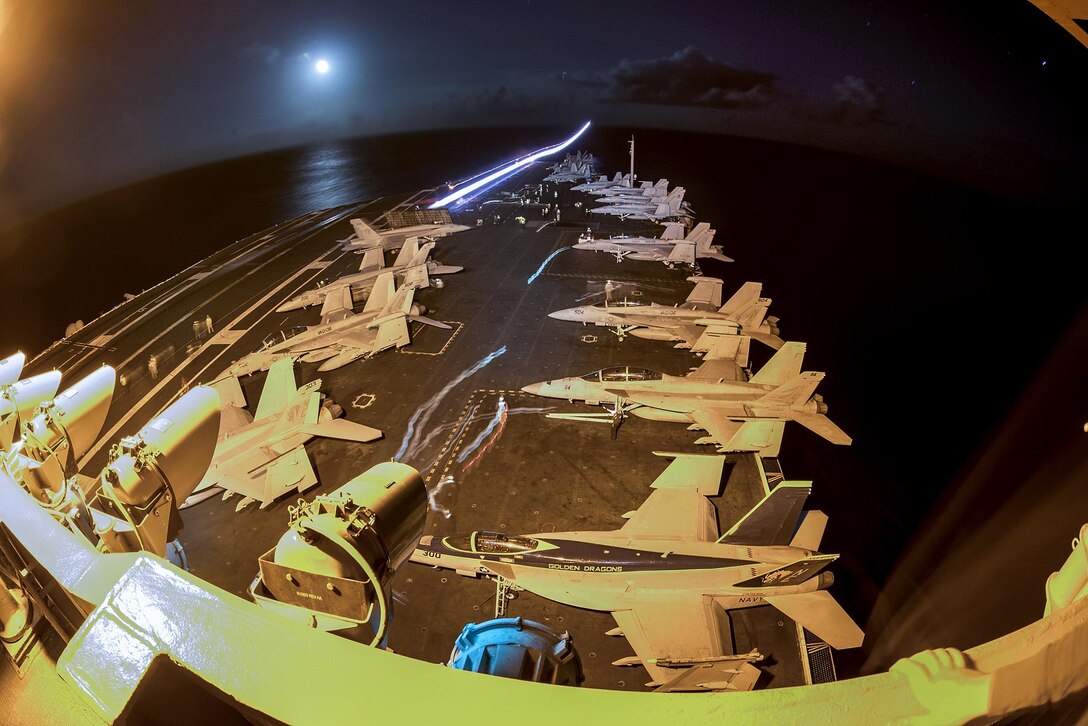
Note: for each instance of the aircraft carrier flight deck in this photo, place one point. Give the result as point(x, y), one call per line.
point(487, 465)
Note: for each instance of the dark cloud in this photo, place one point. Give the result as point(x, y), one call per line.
point(688, 78)
point(858, 101)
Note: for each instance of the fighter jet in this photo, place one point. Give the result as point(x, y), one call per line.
point(366, 236)
point(669, 579)
point(262, 456)
point(713, 397)
point(411, 259)
point(672, 247)
point(343, 336)
point(627, 207)
point(574, 167)
point(603, 182)
point(689, 324)
point(611, 195)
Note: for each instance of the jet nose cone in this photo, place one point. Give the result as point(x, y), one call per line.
point(561, 315)
point(288, 306)
point(535, 389)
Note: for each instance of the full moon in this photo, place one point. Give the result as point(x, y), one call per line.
point(322, 66)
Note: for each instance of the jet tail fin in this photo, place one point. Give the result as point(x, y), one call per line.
point(783, 365)
point(682, 252)
point(773, 521)
point(384, 289)
point(819, 612)
point(742, 300)
point(698, 232)
point(364, 231)
point(407, 253)
point(279, 389)
point(673, 231)
point(417, 276)
point(373, 259)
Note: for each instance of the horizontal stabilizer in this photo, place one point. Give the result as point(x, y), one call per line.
point(431, 321)
point(822, 616)
point(820, 424)
point(768, 339)
point(788, 575)
point(724, 674)
point(811, 530)
point(340, 428)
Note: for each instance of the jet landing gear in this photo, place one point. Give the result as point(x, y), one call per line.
point(614, 414)
point(621, 331)
point(505, 591)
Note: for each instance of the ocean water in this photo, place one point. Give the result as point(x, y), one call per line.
point(950, 323)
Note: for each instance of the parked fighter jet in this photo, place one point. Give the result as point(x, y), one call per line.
point(603, 182)
point(262, 456)
point(672, 247)
point(744, 313)
point(610, 195)
point(626, 207)
point(712, 397)
point(391, 239)
point(411, 258)
point(667, 576)
point(343, 336)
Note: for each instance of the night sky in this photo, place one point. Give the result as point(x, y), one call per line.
point(94, 95)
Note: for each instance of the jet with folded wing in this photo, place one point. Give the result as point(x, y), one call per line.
point(412, 263)
point(603, 182)
point(673, 247)
point(691, 324)
point(366, 236)
point(262, 456)
point(670, 579)
point(626, 207)
point(343, 335)
point(714, 397)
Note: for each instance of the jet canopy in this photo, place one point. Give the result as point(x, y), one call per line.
point(625, 303)
point(622, 373)
point(281, 335)
point(495, 543)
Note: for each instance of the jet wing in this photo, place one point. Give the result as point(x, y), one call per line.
point(260, 477)
point(337, 306)
point(357, 339)
point(673, 634)
point(720, 428)
point(340, 428)
point(678, 507)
